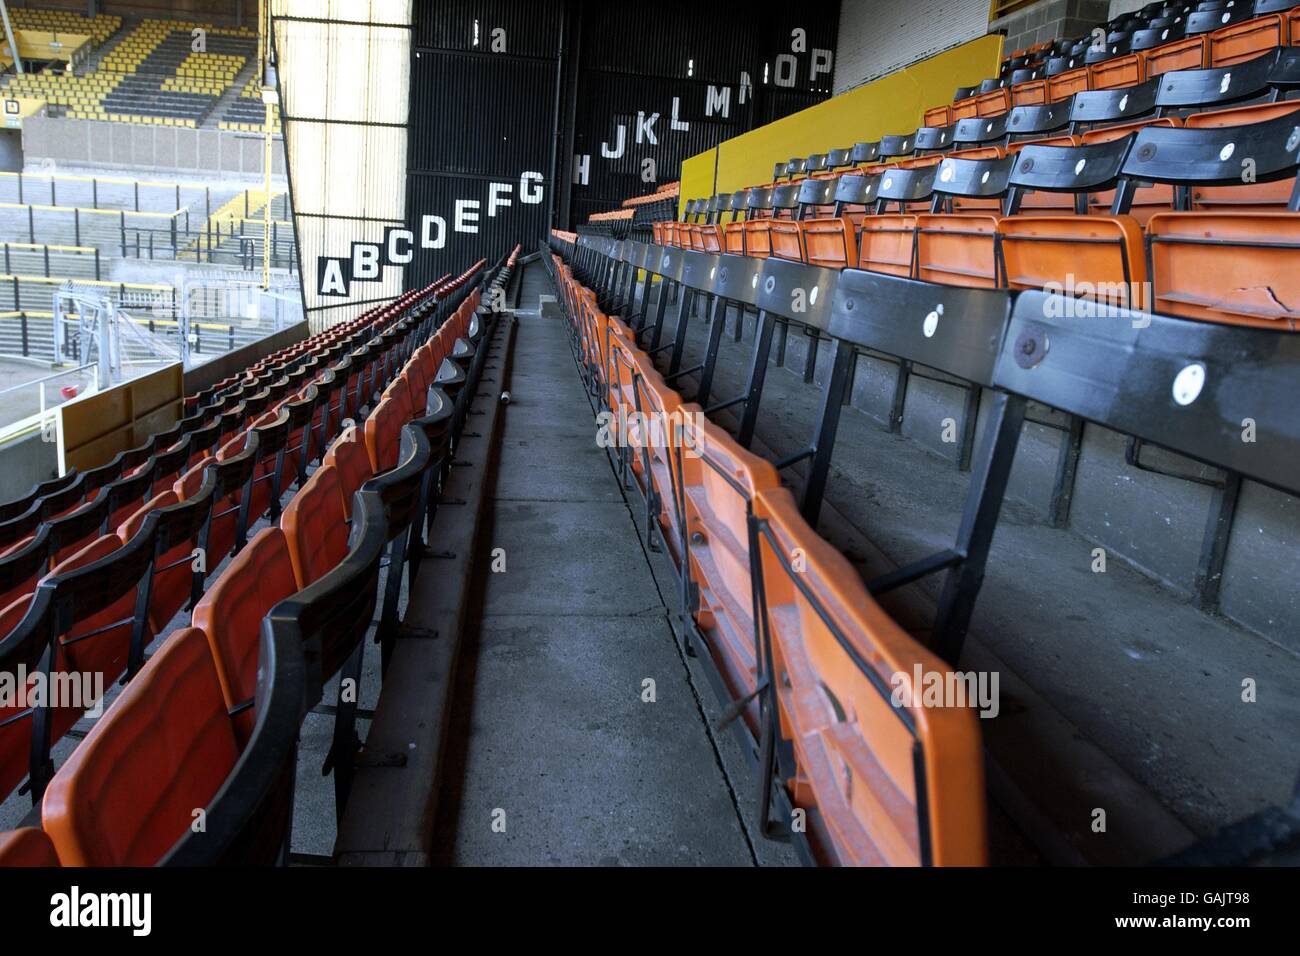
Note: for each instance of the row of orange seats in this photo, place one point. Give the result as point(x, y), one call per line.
point(1011, 222)
point(881, 783)
point(96, 612)
point(1228, 46)
point(175, 736)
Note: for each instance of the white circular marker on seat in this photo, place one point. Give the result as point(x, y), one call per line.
point(946, 174)
point(985, 177)
point(1078, 167)
point(1226, 152)
point(930, 324)
point(1188, 383)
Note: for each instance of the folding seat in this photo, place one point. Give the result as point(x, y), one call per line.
point(785, 235)
point(934, 139)
point(938, 116)
point(291, 465)
point(959, 247)
point(703, 209)
point(1090, 256)
point(984, 133)
point(992, 101)
point(1121, 66)
point(27, 846)
point(1109, 115)
point(169, 460)
point(719, 478)
point(1029, 91)
point(886, 240)
point(233, 468)
point(12, 509)
point(175, 576)
point(1238, 266)
point(898, 146)
point(351, 461)
point(1258, 196)
point(865, 157)
point(660, 407)
point(1242, 36)
point(272, 430)
point(231, 613)
point(831, 240)
point(64, 500)
point(756, 225)
point(315, 526)
point(1180, 48)
point(383, 431)
point(1187, 91)
point(815, 166)
point(1065, 77)
point(88, 618)
point(164, 748)
point(884, 783)
point(21, 566)
point(78, 527)
point(96, 478)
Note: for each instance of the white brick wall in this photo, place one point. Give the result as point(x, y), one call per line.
point(880, 36)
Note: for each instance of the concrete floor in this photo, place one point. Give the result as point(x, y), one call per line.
point(552, 738)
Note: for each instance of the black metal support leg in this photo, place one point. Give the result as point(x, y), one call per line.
point(989, 476)
point(828, 421)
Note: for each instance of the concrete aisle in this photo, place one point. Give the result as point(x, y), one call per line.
point(555, 759)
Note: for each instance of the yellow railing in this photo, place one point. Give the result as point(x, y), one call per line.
point(59, 280)
point(44, 207)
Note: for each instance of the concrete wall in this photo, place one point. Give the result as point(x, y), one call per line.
point(1149, 517)
point(1051, 19)
point(26, 462)
point(880, 36)
point(160, 149)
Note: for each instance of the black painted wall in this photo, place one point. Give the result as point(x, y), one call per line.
point(528, 116)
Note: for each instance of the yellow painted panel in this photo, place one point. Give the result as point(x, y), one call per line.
point(892, 104)
point(94, 428)
point(155, 390)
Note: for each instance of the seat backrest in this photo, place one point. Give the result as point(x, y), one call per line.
point(349, 457)
point(1067, 169)
point(895, 782)
point(230, 614)
point(315, 526)
point(163, 750)
point(27, 846)
point(719, 478)
point(1216, 155)
point(1216, 86)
